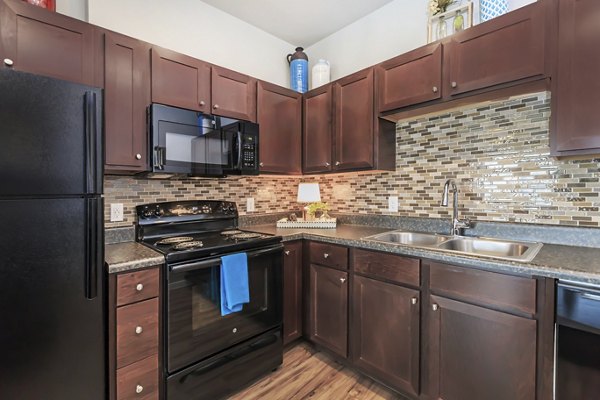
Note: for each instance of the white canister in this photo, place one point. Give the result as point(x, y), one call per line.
point(320, 73)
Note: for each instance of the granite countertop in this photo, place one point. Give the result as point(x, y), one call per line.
point(128, 256)
point(581, 264)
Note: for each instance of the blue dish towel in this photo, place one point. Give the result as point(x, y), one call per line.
point(234, 283)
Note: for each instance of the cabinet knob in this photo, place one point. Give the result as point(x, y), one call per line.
point(202, 103)
point(139, 287)
point(435, 89)
point(216, 106)
point(326, 255)
point(454, 84)
point(337, 163)
point(8, 62)
point(261, 164)
point(234, 330)
point(434, 307)
point(287, 252)
point(138, 156)
point(414, 301)
point(342, 280)
point(139, 389)
point(327, 164)
point(138, 330)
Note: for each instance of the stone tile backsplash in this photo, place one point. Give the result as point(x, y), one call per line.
point(497, 152)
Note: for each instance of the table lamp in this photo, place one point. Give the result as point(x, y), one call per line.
point(308, 193)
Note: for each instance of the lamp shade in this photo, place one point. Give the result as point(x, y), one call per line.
point(308, 193)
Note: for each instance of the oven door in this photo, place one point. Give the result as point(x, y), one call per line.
point(195, 327)
point(189, 142)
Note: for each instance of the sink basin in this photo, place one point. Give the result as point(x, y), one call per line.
point(509, 250)
point(410, 238)
point(481, 247)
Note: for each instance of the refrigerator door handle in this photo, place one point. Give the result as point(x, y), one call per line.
point(91, 144)
point(94, 245)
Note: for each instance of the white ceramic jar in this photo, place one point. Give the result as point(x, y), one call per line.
point(320, 73)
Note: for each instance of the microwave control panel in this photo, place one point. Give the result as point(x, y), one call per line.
point(249, 150)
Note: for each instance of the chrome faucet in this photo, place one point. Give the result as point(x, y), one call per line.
point(457, 225)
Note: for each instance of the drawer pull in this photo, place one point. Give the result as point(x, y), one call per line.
point(287, 252)
point(138, 156)
point(8, 62)
point(342, 280)
point(202, 103)
point(234, 330)
point(326, 255)
point(434, 307)
point(434, 89)
point(138, 330)
point(216, 106)
point(454, 84)
point(414, 301)
point(139, 389)
point(139, 287)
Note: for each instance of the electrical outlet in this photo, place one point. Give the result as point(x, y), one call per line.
point(393, 204)
point(116, 212)
point(250, 204)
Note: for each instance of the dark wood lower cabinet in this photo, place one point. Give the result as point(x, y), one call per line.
point(385, 332)
point(292, 291)
point(477, 353)
point(328, 309)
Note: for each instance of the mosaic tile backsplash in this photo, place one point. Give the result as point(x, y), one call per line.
point(497, 152)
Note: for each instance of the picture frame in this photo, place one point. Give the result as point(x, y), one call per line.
point(447, 17)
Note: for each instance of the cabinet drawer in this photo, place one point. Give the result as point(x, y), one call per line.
point(137, 286)
point(387, 266)
point(329, 255)
point(137, 332)
point(139, 380)
point(510, 293)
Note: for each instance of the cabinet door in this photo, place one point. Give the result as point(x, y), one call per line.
point(280, 120)
point(126, 96)
point(292, 291)
point(477, 353)
point(328, 308)
point(576, 95)
point(233, 94)
point(503, 50)
point(180, 81)
point(354, 113)
point(385, 332)
point(318, 130)
point(411, 78)
point(46, 43)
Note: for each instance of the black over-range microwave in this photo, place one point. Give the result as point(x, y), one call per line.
point(197, 144)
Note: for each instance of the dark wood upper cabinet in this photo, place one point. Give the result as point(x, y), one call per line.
point(280, 120)
point(292, 291)
point(328, 308)
point(46, 43)
point(233, 94)
point(385, 332)
point(476, 353)
point(180, 81)
point(506, 49)
point(354, 127)
point(126, 96)
point(411, 78)
point(317, 135)
point(576, 89)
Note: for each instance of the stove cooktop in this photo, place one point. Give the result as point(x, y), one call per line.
point(203, 244)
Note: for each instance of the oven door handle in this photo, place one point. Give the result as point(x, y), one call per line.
point(214, 262)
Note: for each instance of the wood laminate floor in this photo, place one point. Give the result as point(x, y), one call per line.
point(309, 374)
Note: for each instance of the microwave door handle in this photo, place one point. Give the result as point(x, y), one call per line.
point(239, 146)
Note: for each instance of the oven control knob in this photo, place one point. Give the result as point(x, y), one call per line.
point(147, 213)
point(159, 212)
point(206, 209)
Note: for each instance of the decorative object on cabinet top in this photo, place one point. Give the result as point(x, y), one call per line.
point(443, 23)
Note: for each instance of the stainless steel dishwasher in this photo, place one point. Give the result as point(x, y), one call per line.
point(578, 341)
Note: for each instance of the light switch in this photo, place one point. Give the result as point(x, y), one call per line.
point(250, 204)
point(393, 204)
point(116, 212)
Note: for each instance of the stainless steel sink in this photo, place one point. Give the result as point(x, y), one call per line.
point(508, 250)
point(410, 238)
point(482, 247)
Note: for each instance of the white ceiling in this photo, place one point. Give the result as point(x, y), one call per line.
point(299, 22)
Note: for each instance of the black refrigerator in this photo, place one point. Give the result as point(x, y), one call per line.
point(52, 285)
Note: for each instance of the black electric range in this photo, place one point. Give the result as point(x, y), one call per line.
point(207, 355)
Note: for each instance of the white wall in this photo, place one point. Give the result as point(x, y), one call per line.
point(199, 30)
point(395, 28)
point(73, 8)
